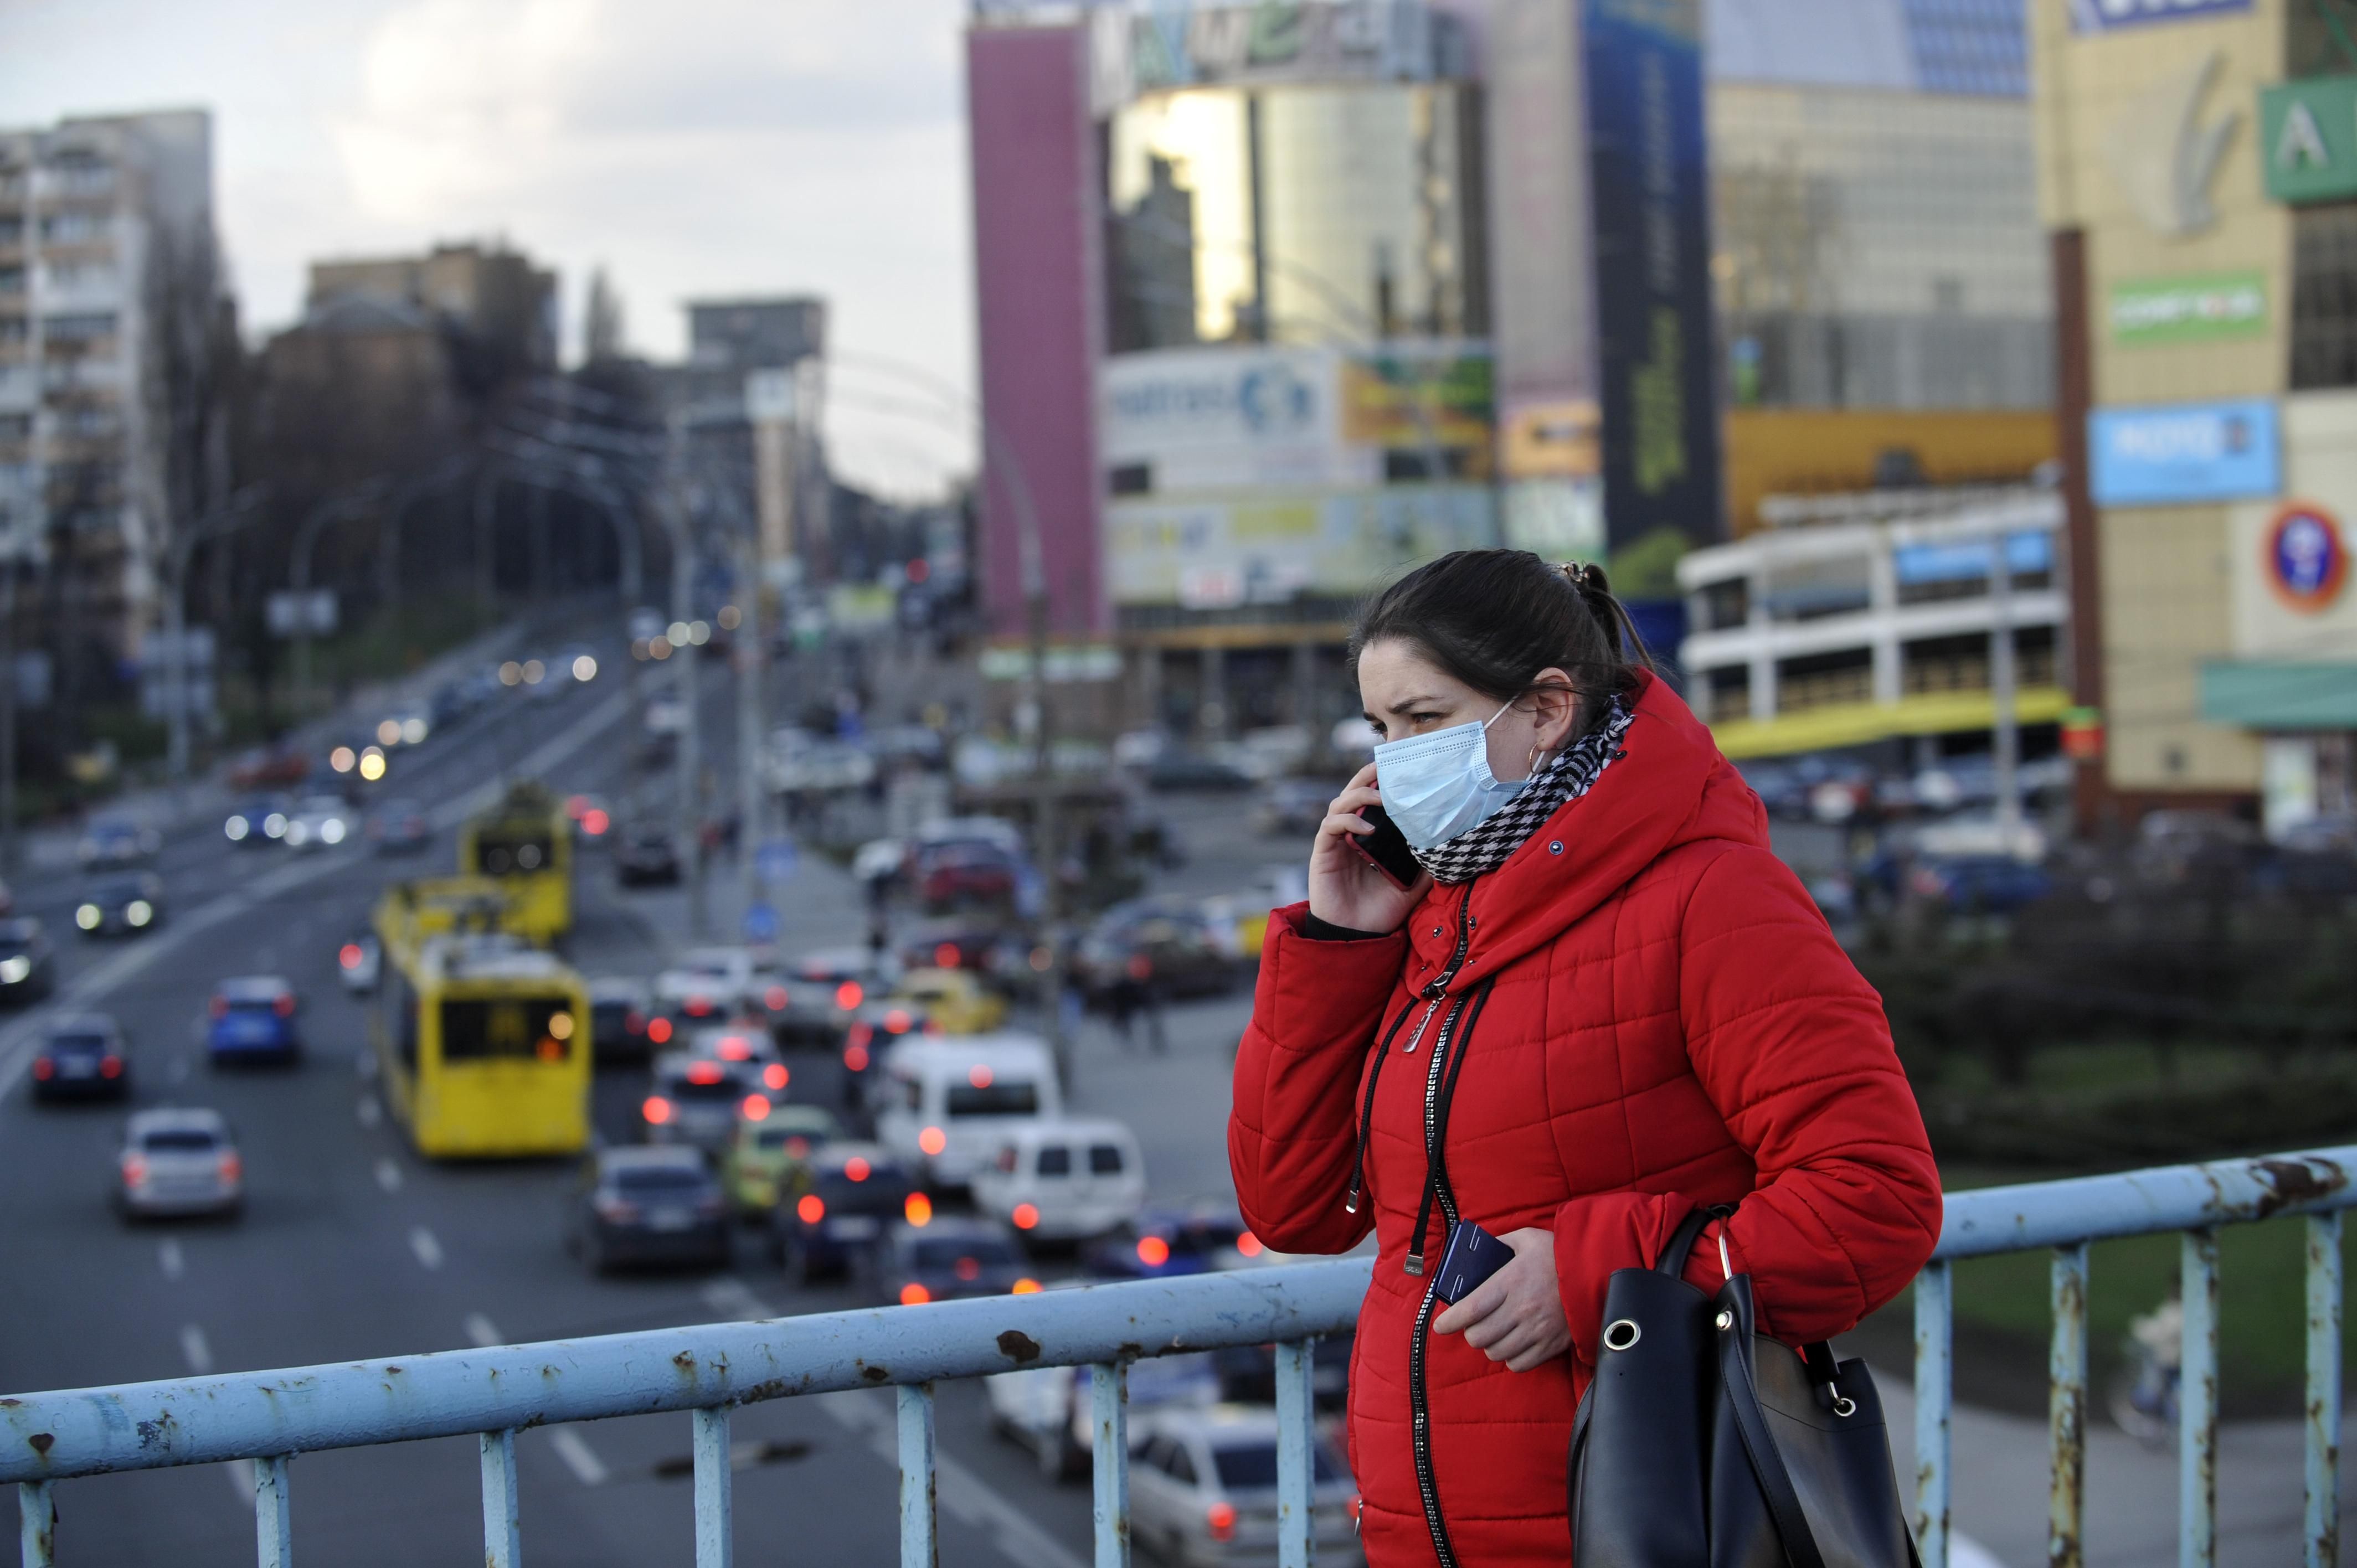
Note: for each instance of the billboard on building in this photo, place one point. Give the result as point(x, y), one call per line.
point(1650, 182)
point(2185, 452)
point(1222, 552)
point(1134, 51)
point(2104, 15)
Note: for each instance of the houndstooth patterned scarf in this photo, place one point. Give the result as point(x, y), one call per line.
point(1485, 845)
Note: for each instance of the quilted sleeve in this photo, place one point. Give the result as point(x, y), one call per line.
point(1790, 1044)
point(1293, 1131)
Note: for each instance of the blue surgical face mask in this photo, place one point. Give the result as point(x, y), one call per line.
point(1438, 785)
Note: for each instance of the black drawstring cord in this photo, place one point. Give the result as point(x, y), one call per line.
point(1367, 1112)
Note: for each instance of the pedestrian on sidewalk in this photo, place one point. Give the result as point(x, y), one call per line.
point(1136, 995)
point(1601, 1002)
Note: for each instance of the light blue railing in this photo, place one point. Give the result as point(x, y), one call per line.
point(270, 1417)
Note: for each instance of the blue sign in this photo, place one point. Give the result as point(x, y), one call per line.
point(2026, 553)
point(2103, 16)
point(761, 923)
point(2180, 452)
point(776, 859)
point(2307, 561)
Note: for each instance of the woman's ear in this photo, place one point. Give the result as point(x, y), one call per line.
point(1555, 714)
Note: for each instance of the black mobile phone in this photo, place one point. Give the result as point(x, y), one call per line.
point(1472, 1256)
point(1386, 848)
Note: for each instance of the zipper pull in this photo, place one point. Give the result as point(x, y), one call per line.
point(1351, 1199)
point(1414, 1264)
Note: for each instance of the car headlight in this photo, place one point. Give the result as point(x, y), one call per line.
point(237, 828)
point(274, 824)
point(411, 731)
point(297, 833)
point(332, 831)
point(139, 911)
point(14, 970)
point(88, 917)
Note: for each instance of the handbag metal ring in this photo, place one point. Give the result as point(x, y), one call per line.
point(1622, 1333)
point(1725, 1320)
point(1843, 1405)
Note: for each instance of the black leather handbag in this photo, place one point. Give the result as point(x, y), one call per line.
point(1699, 1446)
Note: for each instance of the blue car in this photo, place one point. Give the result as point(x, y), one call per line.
point(1167, 1241)
point(253, 1020)
point(1980, 884)
point(261, 821)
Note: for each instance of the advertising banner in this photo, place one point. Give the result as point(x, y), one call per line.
point(1194, 419)
point(1217, 554)
point(1651, 189)
point(1406, 398)
point(1134, 51)
point(2307, 135)
point(2103, 16)
point(2196, 308)
point(2186, 452)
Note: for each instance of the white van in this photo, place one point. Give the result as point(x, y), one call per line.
point(1064, 1180)
point(947, 1102)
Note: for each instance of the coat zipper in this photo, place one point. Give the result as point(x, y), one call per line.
point(1437, 990)
point(1420, 1400)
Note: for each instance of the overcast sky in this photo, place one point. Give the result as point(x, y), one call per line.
point(693, 147)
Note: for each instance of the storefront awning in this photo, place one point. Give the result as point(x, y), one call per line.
point(2266, 694)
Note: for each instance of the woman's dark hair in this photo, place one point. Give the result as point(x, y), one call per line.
point(1494, 618)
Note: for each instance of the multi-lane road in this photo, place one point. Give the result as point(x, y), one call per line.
point(352, 1246)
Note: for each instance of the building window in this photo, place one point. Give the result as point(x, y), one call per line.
point(1725, 605)
point(1825, 680)
point(82, 176)
point(12, 329)
point(12, 231)
point(1730, 690)
point(12, 280)
point(80, 274)
point(2324, 295)
point(82, 326)
point(75, 228)
point(1961, 663)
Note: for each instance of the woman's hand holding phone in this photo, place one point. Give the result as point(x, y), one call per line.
point(1345, 888)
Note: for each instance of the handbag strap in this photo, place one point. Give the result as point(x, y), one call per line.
point(1672, 1260)
point(1767, 1461)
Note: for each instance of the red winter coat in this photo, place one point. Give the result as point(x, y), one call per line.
point(1670, 1023)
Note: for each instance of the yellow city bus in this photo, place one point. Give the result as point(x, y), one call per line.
point(525, 841)
point(482, 1044)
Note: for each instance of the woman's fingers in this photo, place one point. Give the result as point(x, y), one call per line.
point(1478, 1304)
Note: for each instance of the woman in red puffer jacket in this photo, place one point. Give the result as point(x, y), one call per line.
point(1603, 1002)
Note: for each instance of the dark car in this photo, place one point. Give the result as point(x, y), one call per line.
point(261, 821)
point(265, 766)
point(1172, 950)
point(953, 876)
point(1179, 768)
point(646, 855)
point(647, 1205)
point(113, 841)
point(1166, 1241)
point(29, 963)
point(619, 1011)
point(121, 906)
point(399, 827)
point(82, 1058)
point(1979, 884)
point(945, 1259)
point(1247, 1373)
point(838, 1207)
point(986, 950)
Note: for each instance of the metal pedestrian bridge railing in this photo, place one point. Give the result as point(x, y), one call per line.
point(271, 1417)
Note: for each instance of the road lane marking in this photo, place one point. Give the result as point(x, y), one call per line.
point(169, 1259)
point(578, 1456)
point(371, 1112)
point(194, 1347)
point(482, 1331)
point(388, 1174)
point(959, 1489)
point(89, 987)
point(428, 1251)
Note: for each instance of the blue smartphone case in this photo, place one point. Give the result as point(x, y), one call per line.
point(1472, 1256)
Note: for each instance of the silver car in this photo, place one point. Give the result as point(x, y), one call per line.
point(697, 1101)
point(178, 1162)
point(1203, 1489)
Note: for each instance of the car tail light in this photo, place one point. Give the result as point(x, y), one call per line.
point(220, 1006)
point(968, 1269)
point(134, 1171)
point(917, 1209)
point(284, 1007)
point(1024, 1287)
point(1140, 967)
point(775, 1076)
point(861, 1033)
point(577, 807)
point(110, 1067)
point(595, 824)
point(659, 1030)
point(1249, 1245)
point(855, 1059)
point(1221, 1517)
point(1026, 1216)
point(932, 1140)
point(978, 1075)
point(232, 1168)
point(856, 1169)
point(698, 1007)
point(657, 1110)
point(775, 999)
point(934, 1026)
point(634, 1021)
point(797, 1148)
point(945, 955)
point(899, 1021)
point(1153, 1251)
point(756, 1107)
point(615, 1211)
point(704, 1072)
point(736, 1049)
point(914, 1294)
point(811, 1209)
point(349, 955)
point(43, 1068)
point(849, 994)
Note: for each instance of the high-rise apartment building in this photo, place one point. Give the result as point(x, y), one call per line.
point(109, 302)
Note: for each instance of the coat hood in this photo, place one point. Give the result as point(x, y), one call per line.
point(1668, 787)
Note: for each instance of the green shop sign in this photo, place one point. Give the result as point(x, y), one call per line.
point(2307, 135)
point(2194, 308)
